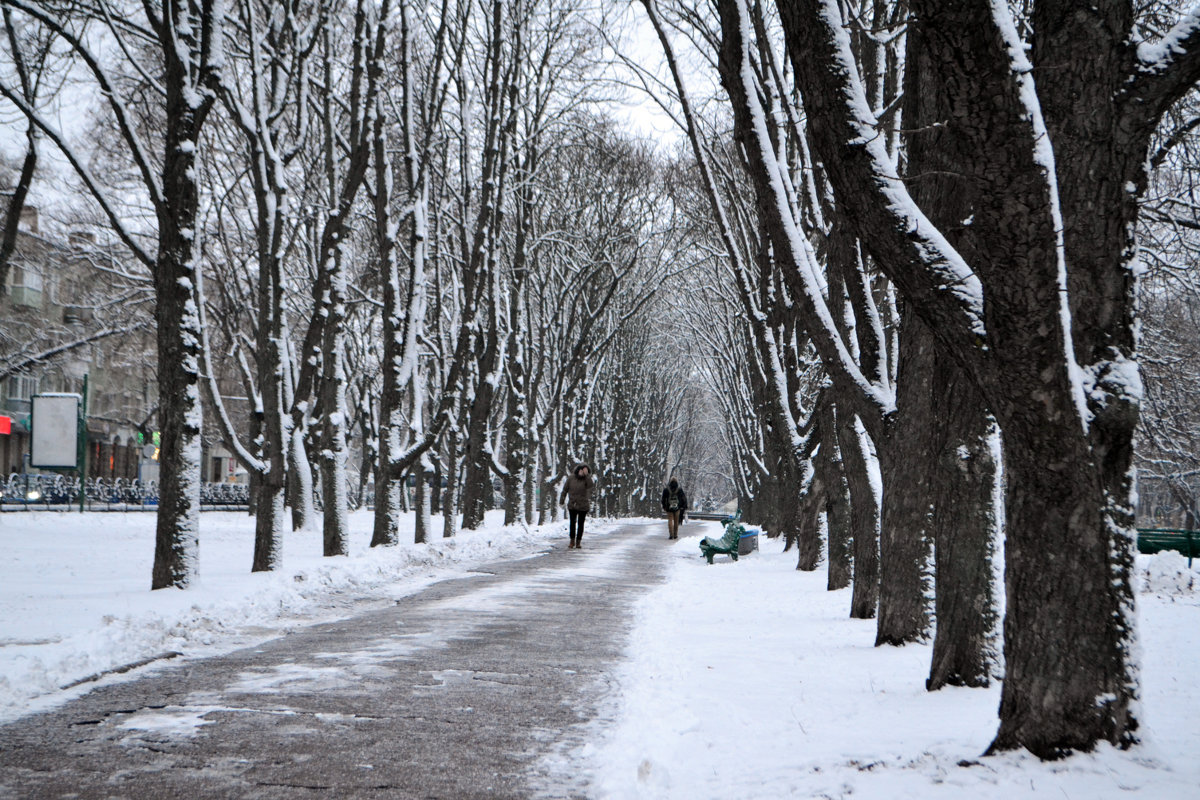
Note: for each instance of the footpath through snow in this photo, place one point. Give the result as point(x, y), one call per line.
point(75, 597)
point(743, 680)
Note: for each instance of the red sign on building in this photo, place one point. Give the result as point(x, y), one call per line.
point(5, 425)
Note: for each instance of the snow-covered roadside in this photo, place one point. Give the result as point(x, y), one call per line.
point(75, 597)
point(748, 680)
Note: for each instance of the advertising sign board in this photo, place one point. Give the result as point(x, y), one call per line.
point(54, 439)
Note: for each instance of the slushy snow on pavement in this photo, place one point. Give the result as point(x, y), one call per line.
point(75, 597)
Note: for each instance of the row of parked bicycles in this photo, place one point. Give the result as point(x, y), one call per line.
point(28, 492)
point(31, 492)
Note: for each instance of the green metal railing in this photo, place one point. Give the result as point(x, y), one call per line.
point(1155, 540)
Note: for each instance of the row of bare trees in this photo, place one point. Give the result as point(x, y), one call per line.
point(399, 229)
point(921, 239)
point(902, 268)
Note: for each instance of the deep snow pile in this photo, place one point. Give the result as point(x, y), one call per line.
point(1167, 573)
point(748, 680)
point(75, 595)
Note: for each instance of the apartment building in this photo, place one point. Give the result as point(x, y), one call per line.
point(70, 312)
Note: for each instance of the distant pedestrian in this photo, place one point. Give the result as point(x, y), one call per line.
point(674, 503)
point(577, 493)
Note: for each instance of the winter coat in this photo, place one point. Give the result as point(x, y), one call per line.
point(666, 499)
point(578, 489)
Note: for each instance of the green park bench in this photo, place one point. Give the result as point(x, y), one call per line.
point(727, 544)
point(1156, 540)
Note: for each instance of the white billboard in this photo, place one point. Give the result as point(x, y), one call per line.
point(53, 442)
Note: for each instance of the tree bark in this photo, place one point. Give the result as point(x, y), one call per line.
point(909, 462)
point(965, 527)
point(838, 524)
point(333, 424)
point(864, 515)
point(450, 494)
point(1069, 677)
point(962, 447)
point(177, 291)
point(424, 523)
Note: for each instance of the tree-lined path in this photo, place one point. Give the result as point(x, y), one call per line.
point(458, 692)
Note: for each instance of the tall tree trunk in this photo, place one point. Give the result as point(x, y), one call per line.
point(530, 481)
point(838, 523)
point(864, 515)
point(450, 494)
point(477, 472)
point(965, 528)
point(516, 440)
point(424, 523)
point(962, 476)
point(801, 524)
point(1060, 614)
point(333, 423)
point(178, 294)
point(909, 461)
point(300, 482)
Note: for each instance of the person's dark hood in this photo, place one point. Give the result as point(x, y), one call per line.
point(578, 467)
point(674, 484)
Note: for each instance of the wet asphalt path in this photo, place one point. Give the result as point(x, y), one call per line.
point(474, 688)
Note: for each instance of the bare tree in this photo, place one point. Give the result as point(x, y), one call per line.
point(185, 41)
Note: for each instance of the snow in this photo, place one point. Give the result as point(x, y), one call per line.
point(1157, 57)
point(1168, 574)
point(749, 680)
point(739, 680)
point(75, 595)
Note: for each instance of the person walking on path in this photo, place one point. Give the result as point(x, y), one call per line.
point(674, 504)
point(577, 493)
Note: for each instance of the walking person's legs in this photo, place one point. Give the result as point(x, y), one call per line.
point(571, 524)
point(577, 518)
point(672, 524)
point(579, 535)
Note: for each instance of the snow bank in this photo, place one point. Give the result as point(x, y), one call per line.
point(75, 595)
point(1167, 573)
point(749, 680)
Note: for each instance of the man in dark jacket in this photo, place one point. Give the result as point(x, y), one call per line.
point(674, 503)
point(577, 493)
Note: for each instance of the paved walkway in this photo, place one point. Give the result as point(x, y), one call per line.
point(466, 690)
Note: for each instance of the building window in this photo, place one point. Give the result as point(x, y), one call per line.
point(26, 286)
point(21, 389)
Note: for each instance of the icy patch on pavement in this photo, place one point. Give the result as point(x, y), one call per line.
point(169, 722)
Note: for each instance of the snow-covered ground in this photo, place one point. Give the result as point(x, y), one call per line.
point(748, 680)
point(741, 680)
point(75, 595)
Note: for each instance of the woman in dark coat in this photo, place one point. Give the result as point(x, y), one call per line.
point(577, 493)
point(674, 503)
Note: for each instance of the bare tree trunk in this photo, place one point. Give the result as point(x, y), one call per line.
point(424, 523)
point(800, 524)
point(333, 427)
point(477, 468)
point(300, 482)
point(963, 473)
point(966, 526)
point(838, 523)
point(909, 462)
point(864, 516)
point(450, 494)
point(178, 294)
